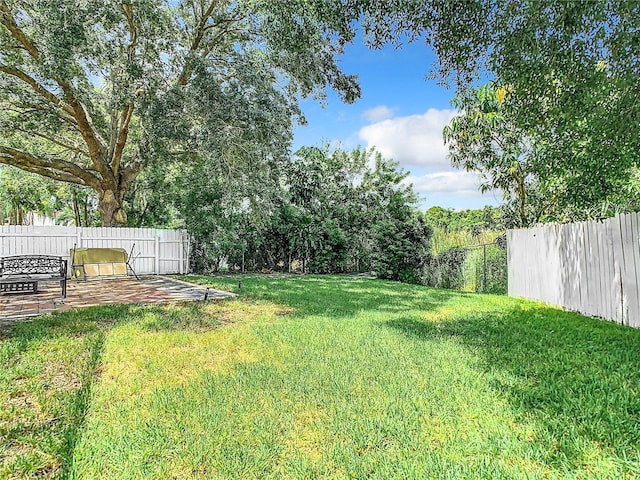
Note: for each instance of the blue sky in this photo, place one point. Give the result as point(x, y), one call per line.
point(402, 114)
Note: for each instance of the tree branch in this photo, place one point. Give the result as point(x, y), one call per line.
point(50, 167)
point(95, 144)
point(28, 109)
point(123, 132)
point(36, 87)
point(127, 111)
point(133, 31)
point(129, 174)
point(55, 175)
point(201, 29)
point(72, 148)
point(7, 19)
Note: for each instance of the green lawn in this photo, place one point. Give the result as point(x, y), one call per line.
point(322, 377)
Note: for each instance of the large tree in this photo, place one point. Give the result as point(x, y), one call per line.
point(93, 91)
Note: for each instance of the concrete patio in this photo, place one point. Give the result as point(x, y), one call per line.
point(116, 290)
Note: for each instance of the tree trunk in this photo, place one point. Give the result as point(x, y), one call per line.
point(85, 206)
point(111, 212)
point(521, 201)
point(76, 210)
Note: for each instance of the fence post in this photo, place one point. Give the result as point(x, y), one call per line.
point(156, 254)
point(181, 268)
point(484, 274)
point(79, 237)
point(188, 259)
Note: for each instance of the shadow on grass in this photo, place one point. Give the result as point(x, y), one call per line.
point(49, 366)
point(576, 378)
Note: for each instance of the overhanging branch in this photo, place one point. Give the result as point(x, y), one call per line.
point(73, 107)
point(39, 89)
point(66, 146)
point(7, 19)
point(51, 167)
point(53, 174)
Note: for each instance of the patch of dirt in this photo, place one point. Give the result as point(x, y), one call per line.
point(106, 323)
point(59, 376)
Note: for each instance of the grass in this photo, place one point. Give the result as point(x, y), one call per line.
point(46, 372)
point(324, 377)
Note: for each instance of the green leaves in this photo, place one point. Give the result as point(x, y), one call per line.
point(570, 113)
point(322, 211)
point(104, 89)
point(485, 139)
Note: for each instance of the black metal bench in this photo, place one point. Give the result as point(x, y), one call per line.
point(21, 274)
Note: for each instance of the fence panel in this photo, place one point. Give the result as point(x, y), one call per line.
point(157, 251)
point(631, 275)
point(589, 267)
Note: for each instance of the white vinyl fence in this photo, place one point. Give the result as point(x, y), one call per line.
point(152, 250)
point(588, 267)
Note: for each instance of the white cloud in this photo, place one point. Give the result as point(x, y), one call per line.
point(465, 184)
point(413, 141)
point(376, 114)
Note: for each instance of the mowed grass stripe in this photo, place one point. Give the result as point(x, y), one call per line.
point(336, 377)
point(47, 369)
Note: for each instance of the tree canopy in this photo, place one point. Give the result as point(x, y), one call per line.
point(571, 70)
point(483, 138)
point(92, 92)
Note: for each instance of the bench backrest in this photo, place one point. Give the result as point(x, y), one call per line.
point(33, 265)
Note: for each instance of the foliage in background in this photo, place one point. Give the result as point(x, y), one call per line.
point(24, 194)
point(473, 221)
point(21, 193)
point(150, 202)
point(324, 211)
point(467, 250)
point(483, 138)
point(485, 270)
point(443, 240)
point(401, 248)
